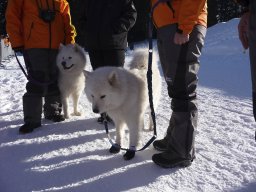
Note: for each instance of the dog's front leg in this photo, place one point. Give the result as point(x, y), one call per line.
point(119, 137)
point(135, 125)
point(65, 107)
point(75, 104)
point(119, 132)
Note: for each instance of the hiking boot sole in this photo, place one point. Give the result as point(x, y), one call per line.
point(183, 164)
point(157, 159)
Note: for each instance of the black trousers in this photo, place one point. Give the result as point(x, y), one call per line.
point(101, 58)
point(42, 83)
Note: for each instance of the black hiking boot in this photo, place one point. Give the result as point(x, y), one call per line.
point(166, 161)
point(161, 145)
point(28, 127)
point(55, 118)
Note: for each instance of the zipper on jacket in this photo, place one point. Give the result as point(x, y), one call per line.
point(30, 30)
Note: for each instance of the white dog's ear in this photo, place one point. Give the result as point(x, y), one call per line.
point(86, 73)
point(112, 78)
point(61, 46)
point(77, 48)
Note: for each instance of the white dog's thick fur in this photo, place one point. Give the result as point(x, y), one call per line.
point(71, 61)
point(123, 95)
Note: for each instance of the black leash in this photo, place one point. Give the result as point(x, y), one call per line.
point(149, 79)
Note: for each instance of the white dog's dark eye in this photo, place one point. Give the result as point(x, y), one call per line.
point(92, 96)
point(69, 57)
point(103, 96)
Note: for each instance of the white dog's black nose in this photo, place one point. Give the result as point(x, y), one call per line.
point(64, 65)
point(95, 110)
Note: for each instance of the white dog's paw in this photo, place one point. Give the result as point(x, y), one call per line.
point(115, 148)
point(148, 129)
point(76, 113)
point(129, 154)
point(66, 116)
point(151, 128)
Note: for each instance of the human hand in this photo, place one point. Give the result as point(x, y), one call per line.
point(180, 39)
point(243, 29)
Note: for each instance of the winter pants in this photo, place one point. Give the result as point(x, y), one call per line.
point(42, 82)
point(101, 58)
point(252, 50)
point(180, 65)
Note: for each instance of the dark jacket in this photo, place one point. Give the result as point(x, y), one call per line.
point(3, 5)
point(244, 3)
point(105, 23)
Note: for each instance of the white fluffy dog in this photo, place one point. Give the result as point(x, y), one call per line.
point(71, 61)
point(123, 95)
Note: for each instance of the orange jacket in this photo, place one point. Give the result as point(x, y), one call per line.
point(187, 13)
point(26, 29)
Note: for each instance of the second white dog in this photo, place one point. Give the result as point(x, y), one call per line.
point(123, 95)
point(71, 61)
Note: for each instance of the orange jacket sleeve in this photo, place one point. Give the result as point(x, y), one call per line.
point(13, 22)
point(188, 14)
point(70, 32)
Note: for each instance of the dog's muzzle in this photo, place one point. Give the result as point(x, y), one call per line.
point(64, 65)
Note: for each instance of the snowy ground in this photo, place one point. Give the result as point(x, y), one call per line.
point(73, 156)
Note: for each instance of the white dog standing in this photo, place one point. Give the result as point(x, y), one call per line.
point(71, 61)
point(123, 95)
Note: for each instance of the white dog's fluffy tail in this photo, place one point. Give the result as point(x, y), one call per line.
point(139, 60)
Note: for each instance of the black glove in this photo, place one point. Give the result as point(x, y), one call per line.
point(18, 49)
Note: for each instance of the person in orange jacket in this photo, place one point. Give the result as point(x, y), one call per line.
point(181, 29)
point(36, 28)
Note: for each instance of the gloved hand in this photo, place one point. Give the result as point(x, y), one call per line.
point(18, 49)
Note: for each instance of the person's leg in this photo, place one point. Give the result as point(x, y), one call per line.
point(115, 58)
point(52, 105)
point(168, 55)
point(101, 58)
point(32, 99)
point(182, 89)
point(96, 59)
